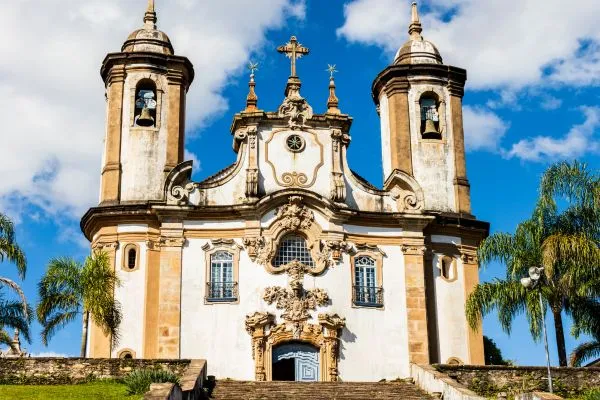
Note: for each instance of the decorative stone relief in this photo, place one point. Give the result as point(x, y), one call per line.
point(179, 186)
point(166, 241)
point(338, 187)
point(295, 109)
point(105, 246)
point(295, 300)
point(253, 245)
point(469, 258)
point(251, 183)
point(221, 243)
point(406, 191)
point(414, 250)
point(294, 215)
point(335, 248)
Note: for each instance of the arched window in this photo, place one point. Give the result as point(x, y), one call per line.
point(126, 354)
point(293, 248)
point(131, 258)
point(145, 104)
point(365, 281)
point(430, 117)
point(447, 268)
point(221, 285)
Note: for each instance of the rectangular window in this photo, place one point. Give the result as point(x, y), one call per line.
point(221, 286)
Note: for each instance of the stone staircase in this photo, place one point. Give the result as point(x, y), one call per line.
point(240, 390)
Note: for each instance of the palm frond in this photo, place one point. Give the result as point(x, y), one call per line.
point(55, 322)
point(572, 181)
point(583, 352)
point(9, 249)
point(16, 288)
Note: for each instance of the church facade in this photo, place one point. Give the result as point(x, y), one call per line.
point(287, 265)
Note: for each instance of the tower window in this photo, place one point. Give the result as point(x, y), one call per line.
point(447, 269)
point(293, 248)
point(430, 118)
point(145, 104)
point(130, 257)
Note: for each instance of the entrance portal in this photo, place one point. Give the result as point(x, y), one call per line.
point(295, 362)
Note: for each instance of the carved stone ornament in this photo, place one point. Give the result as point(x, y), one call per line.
point(469, 258)
point(335, 248)
point(338, 187)
point(166, 241)
point(295, 300)
point(295, 109)
point(251, 183)
point(105, 246)
point(406, 191)
point(253, 245)
point(294, 215)
point(179, 186)
point(414, 250)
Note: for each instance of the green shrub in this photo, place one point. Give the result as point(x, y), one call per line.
point(593, 394)
point(138, 382)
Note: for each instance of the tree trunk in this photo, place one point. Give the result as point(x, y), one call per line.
point(560, 338)
point(84, 335)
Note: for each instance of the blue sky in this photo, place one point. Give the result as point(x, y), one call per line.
point(531, 99)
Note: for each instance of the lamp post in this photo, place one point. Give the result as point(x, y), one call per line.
point(532, 282)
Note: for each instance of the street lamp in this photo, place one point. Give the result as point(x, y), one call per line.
point(535, 275)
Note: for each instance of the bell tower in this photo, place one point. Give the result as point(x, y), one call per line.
point(146, 86)
point(420, 106)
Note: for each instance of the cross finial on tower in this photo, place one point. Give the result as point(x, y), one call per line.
point(150, 16)
point(415, 28)
point(252, 98)
point(293, 50)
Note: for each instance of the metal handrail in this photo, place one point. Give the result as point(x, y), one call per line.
point(221, 291)
point(371, 296)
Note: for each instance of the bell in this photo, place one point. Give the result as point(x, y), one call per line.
point(145, 119)
point(430, 130)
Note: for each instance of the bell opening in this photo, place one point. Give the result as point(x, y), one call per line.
point(145, 104)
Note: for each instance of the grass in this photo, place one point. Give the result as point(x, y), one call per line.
point(105, 390)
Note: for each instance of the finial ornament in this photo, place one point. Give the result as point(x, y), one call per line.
point(252, 98)
point(150, 16)
point(293, 50)
point(332, 101)
point(331, 69)
point(415, 28)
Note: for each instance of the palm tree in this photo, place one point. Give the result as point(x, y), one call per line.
point(564, 241)
point(69, 288)
point(587, 319)
point(13, 315)
point(10, 251)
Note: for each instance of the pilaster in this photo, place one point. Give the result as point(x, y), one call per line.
point(399, 117)
point(416, 302)
point(471, 279)
point(169, 297)
point(111, 169)
point(150, 347)
point(100, 344)
point(462, 188)
point(176, 119)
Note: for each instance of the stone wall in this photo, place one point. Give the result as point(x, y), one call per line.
point(490, 380)
point(57, 371)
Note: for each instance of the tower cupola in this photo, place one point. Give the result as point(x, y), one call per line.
point(417, 50)
point(148, 38)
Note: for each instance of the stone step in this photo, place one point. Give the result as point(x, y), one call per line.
point(238, 390)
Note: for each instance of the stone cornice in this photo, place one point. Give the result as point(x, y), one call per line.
point(454, 75)
point(165, 63)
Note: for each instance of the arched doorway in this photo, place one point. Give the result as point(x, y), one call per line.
point(295, 361)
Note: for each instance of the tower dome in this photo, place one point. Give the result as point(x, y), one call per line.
point(417, 50)
point(148, 38)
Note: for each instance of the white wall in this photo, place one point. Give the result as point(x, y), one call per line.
point(374, 344)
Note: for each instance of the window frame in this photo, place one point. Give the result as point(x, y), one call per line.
point(377, 257)
point(306, 244)
point(453, 275)
point(125, 257)
point(212, 248)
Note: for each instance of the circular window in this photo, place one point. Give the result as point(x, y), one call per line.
point(295, 143)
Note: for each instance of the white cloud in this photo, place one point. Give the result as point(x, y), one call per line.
point(188, 155)
point(483, 129)
point(502, 45)
point(52, 97)
point(579, 140)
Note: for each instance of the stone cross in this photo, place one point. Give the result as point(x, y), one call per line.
point(293, 50)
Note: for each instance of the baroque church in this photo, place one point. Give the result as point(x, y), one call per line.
point(287, 265)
